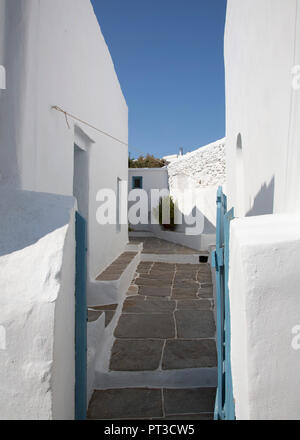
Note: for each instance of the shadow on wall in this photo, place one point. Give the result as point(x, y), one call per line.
point(11, 117)
point(264, 200)
point(26, 217)
point(209, 228)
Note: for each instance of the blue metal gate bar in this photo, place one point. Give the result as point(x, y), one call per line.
point(218, 263)
point(80, 321)
point(224, 408)
point(229, 401)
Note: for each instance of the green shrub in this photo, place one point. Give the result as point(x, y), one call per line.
point(171, 225)
point(146, 162)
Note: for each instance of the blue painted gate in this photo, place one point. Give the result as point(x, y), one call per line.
point(80, 321)
point(224, 408)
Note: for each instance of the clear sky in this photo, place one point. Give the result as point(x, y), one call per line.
point(168, 55)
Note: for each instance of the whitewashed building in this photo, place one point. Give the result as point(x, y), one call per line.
point(262, 58)
point(52, 164)
point(199, 172)
point(146, 179)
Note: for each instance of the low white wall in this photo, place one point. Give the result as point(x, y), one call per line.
point(204, 200)
point(112, 292)
point(95, 341)
point(197, 242)
point(37, 306)
point(265, 303)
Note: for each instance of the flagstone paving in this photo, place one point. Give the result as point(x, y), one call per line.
point(157, 404)
point(133, 355)
point(180, 354)
point(144, 326)
point(166, 324)
point(173, 311)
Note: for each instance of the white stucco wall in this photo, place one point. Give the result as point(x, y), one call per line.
point(2, 29)
point(262, 159)
point(265, 303)
point(262, 44)
point(55, 54)
point(37, 306)
point(153, 178)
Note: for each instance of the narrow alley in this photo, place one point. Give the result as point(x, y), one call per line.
point(163, 359)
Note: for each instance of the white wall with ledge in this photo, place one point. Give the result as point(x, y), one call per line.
point(37, 305)
point(200, 242)
point(265, 303)
point(73, 69)
point(54, 54)
point(262, 46)
point(262, 159)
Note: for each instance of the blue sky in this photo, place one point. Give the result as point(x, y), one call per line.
point(168, 55)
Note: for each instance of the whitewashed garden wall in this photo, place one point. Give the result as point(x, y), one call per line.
point(200, 171)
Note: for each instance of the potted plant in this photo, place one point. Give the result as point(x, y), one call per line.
point(167, 201)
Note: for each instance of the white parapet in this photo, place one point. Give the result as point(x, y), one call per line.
point(37, 305)
point(264, 287)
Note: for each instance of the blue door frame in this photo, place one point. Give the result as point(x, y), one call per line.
point(80, 321)
point(224, 408)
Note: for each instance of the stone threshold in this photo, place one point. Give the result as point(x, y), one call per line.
point(189, 377)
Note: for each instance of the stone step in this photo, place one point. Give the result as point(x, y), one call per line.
point(156, 318)
point(153, 403)
point(188, 377)
point(112, 284)
point(116, 269)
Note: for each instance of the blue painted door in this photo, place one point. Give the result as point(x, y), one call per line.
point(224, 408)
point(80, 321)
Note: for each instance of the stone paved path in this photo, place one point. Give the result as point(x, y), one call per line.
point(166, 324)
point(145, 404)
